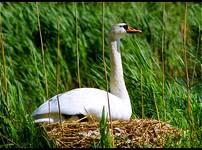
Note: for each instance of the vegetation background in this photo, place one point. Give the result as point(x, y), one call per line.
point(162, 65)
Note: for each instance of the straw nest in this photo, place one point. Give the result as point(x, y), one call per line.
point(133, 133)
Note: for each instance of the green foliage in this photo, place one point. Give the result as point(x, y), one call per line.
point(105, 137)
point(22, 79)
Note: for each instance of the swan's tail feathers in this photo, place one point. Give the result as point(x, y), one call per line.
point(49, 120)
point(52, 117)
point(44, 120)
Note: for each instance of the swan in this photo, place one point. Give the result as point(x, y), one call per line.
point(85, 101)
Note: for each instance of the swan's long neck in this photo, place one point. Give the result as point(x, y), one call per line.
point(117, 83)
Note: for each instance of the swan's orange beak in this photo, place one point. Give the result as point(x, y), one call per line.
point(132, 30)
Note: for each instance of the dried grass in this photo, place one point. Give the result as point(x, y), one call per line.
point(133, 133)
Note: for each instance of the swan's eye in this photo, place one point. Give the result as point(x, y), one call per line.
point(124, 26)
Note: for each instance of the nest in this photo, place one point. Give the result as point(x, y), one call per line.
point(126, 134)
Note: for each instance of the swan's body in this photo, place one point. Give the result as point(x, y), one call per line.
point(91, 100)
point(89, 103)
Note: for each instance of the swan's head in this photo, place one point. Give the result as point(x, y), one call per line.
point(119, 30)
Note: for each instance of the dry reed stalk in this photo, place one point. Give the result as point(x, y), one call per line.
point(58, 73)
point(186, 60)
point(106, 79)
point(163, 61)
point(77, 45)
point(142, 96)
point(3, 58)
point(43, 61)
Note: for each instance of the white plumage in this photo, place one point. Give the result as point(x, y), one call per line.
point(91, 100)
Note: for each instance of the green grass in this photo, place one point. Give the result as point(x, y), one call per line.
point(154, 62)
point(105, 135)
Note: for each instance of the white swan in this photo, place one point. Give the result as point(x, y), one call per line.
point(91, 100)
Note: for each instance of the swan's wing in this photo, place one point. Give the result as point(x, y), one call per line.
point(76, 101)
point(83, 101)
